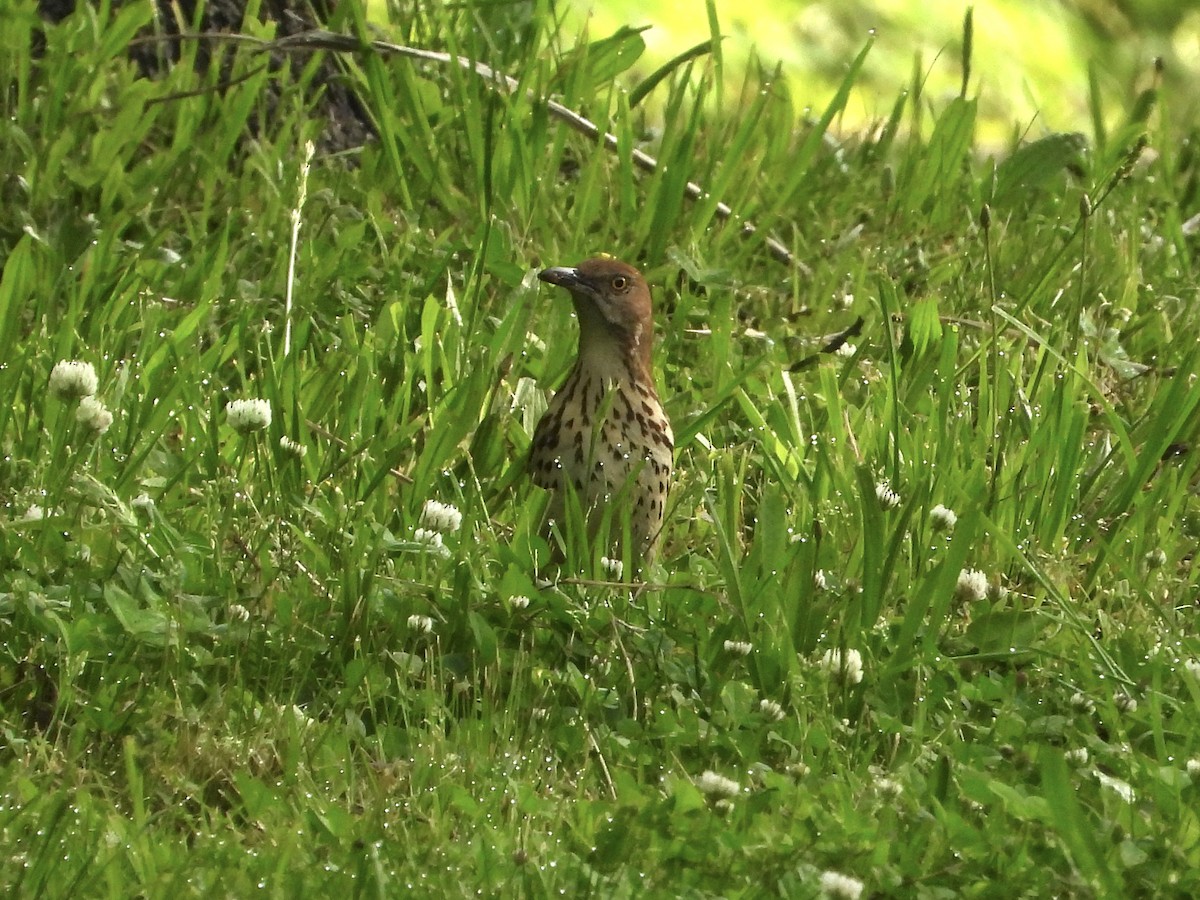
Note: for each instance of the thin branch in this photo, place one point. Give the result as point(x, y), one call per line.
point(326, 40)
point(207, 89)
point(333, 438)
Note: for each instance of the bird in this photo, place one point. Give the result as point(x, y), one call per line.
point(605, 434)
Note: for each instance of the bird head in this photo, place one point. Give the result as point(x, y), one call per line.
point(612, 301)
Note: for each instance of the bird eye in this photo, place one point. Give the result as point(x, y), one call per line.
point(620, 282)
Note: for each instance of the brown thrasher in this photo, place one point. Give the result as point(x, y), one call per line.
point(606, 425)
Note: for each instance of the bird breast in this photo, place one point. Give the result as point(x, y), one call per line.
point(598, 432)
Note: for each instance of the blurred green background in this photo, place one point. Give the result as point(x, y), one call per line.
point(1031, 57)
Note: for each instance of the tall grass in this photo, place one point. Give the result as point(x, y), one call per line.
point(231, 665)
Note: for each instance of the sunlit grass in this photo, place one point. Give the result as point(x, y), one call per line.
point(242, 659)
point(1029, 55)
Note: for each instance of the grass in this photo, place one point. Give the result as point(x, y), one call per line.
point(216, 677)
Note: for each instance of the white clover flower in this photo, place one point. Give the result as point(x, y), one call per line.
point(1077, 758)
point(888, 788)
point(972, 585)
point(1193, 668)
point(432, 541)
point(716, 785)
point(292, 447)
point(1080, 702)
point(835, 884)
point(848, 668)
point(846, 350)
point(420, 624)
point(1156, 558)
point(143, 503)
point(245, 416)
point(1193, 769)
point(35, 513)
point(73, 379)
point(1125, 703)
point(888, 499)
point(440, 517)
point(1122, 789)
point(519, 602)
point(820, 582)
point(303, 719)
point(613, 568)
point(942, 518)
point(771, 709)
point(92, 414)
point(739, 648)
point(239, 612)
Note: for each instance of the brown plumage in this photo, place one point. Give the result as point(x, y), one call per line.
point(606, 424)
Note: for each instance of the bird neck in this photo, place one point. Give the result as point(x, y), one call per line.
point(613, 352)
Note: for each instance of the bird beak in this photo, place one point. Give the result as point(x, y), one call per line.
point(562, 276)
